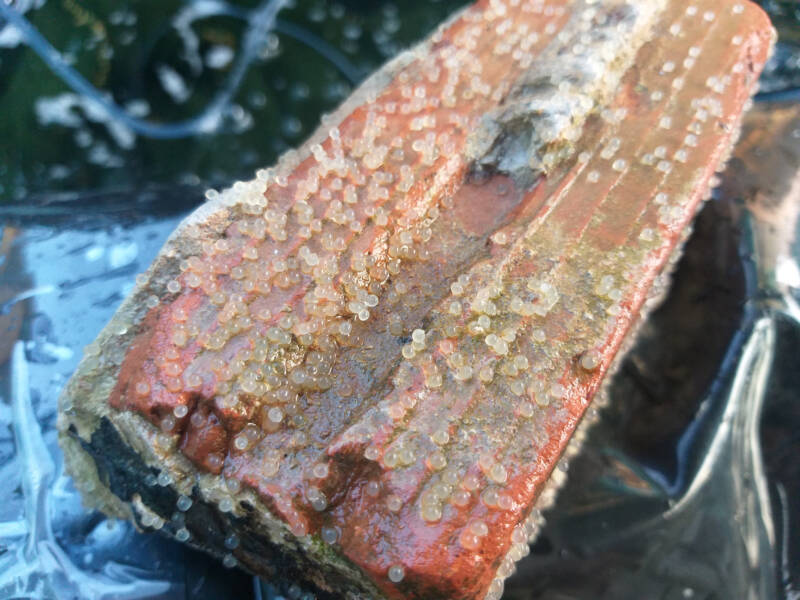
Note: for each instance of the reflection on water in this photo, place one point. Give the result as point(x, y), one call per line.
point(678, 493)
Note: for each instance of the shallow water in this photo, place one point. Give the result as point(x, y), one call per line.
point(688, 487)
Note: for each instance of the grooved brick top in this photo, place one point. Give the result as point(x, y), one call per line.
point(393, 335)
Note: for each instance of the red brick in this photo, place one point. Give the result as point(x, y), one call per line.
point(502, 204)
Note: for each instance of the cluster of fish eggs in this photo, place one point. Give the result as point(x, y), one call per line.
point(346, 192)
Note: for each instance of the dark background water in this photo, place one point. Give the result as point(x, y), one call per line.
point(86, 200)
